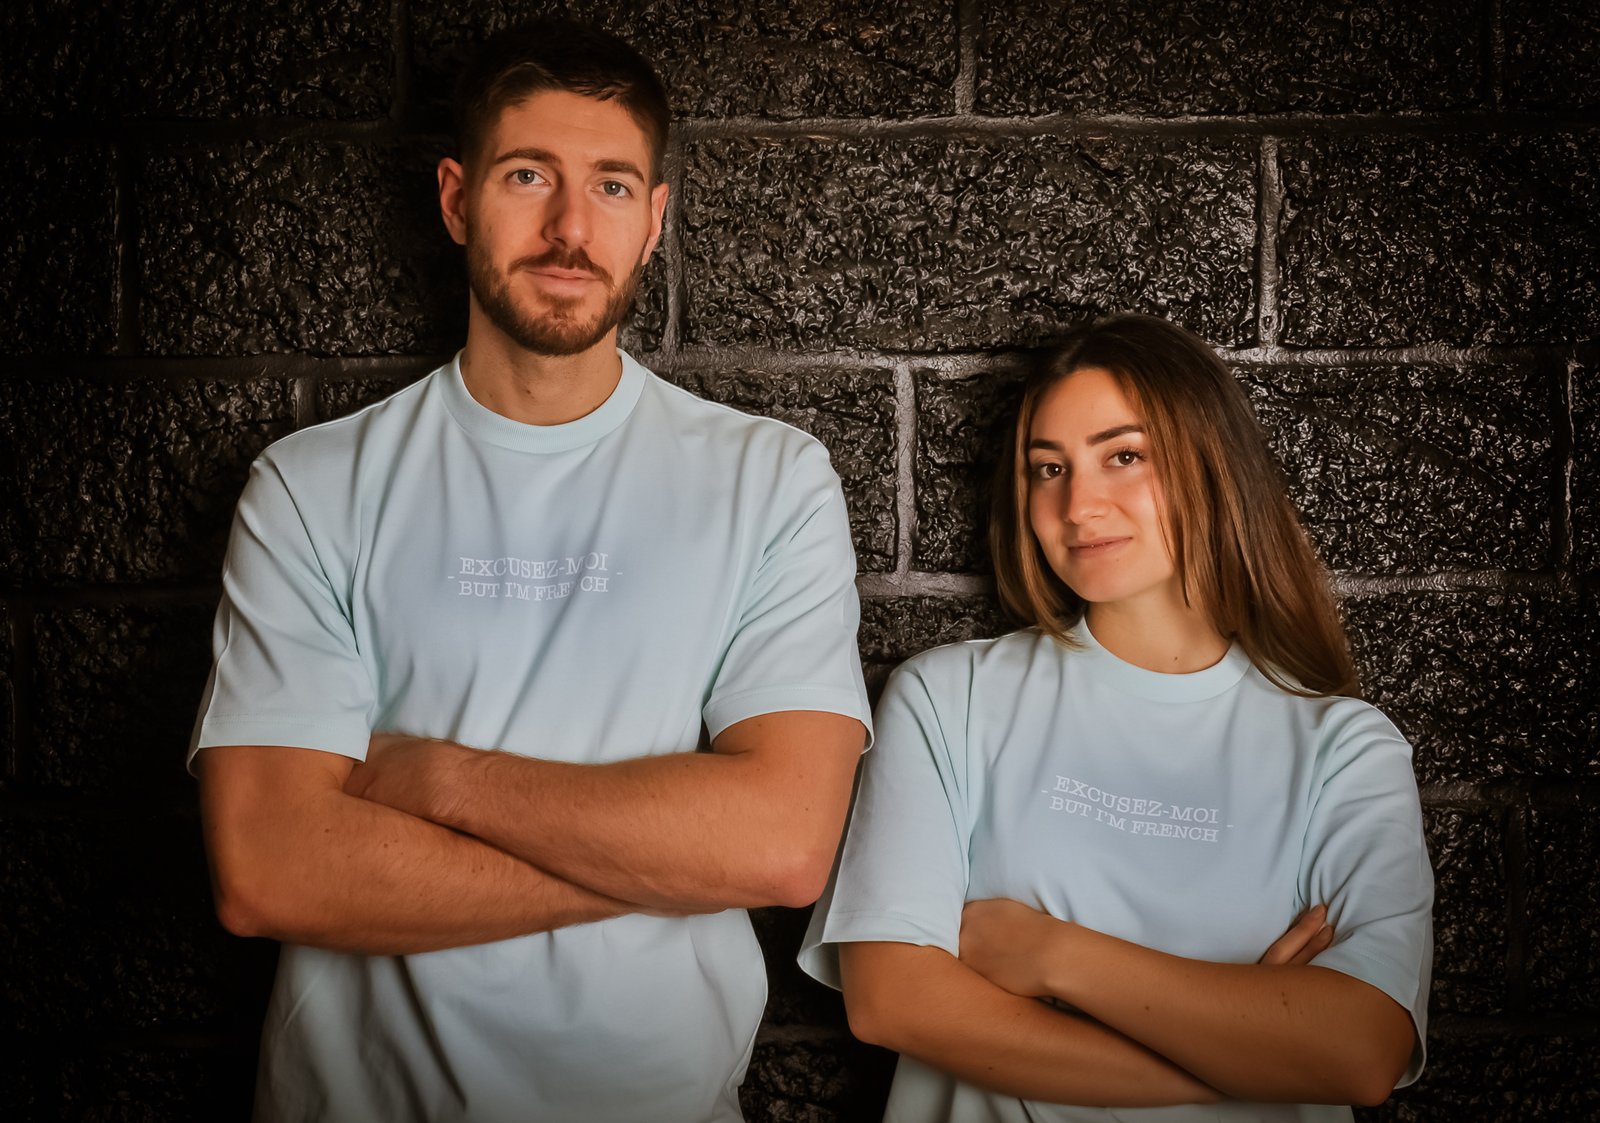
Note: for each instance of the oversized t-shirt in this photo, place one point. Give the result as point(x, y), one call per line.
point(631, 583)
point(1198, 814)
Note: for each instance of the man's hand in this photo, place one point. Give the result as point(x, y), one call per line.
point(410, 774)
point(1011, 945)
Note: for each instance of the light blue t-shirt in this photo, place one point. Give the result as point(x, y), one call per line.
point(586, 592)
point(1198, 814)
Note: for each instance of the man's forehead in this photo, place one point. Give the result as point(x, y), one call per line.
point(570, 128)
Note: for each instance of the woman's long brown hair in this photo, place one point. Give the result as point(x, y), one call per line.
point(1238, 547)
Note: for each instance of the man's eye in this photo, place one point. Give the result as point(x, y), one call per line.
point(614, 189)
point(525, 177)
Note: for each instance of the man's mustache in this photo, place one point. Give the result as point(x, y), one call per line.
point(574, 260)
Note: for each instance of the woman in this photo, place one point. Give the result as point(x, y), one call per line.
point(1118, 808)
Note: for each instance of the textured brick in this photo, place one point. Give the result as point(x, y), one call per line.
point(895, 628)
point(1469, 912)
point(303, 246)
point(793, 997)
point(115, 691)
point(963, 425)
point(853, 413)
point(1552, 54)
point(57, 257)
point(816, 1079)
point(174, 58)
point(108, 925)
point(46, 1082)
point(1241, 56)
point(1586, 468)
point(1495, 1079)
point(767, 58)
point(925, 244)
point(1416, 469)
point(1463, 240)
point(1563, 911)
point(127, 480)
point(1484, 684)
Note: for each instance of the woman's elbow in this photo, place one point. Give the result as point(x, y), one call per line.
point(869, 1021)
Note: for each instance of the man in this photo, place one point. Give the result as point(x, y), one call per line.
point(556, 576)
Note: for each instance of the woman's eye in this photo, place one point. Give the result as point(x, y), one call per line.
point(1126, 457)
point(1046, 471)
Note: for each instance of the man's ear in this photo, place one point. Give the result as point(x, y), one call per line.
point(453, 199)
point(658, 213)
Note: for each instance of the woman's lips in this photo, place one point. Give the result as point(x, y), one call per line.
point(1097, 547)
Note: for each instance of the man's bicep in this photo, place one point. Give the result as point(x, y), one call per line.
point(287, 666)
point(260, 804)
point(801, 766)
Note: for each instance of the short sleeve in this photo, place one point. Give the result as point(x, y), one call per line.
point(902, 873)
point(793, 644)
point(1365, 857)
point(286, 670)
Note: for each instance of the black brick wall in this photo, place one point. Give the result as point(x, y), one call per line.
point(220, 226)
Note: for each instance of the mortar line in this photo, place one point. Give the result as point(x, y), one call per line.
point(125, 250)
point(968, 32)
point(1269, 213)
point(905, 468)
point(1347, 584)
point(1566, 451)
point(20, 619)
point(1496, 54)
point(672, 251)
point(303, 395)
point(400, 44)
point(1516, 859)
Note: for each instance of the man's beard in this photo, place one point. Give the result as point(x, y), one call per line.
point(559, 330)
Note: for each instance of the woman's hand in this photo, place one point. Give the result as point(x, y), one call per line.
point(1013, 946)
point(1308, 937)
point(1021, 949)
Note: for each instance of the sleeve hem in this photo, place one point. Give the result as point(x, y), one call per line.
point(1394, 981)
point(342, 734)
point(724, 712)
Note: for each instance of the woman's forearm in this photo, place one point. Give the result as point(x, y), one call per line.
point(1275, 1031)
point(1300, 1034)
point(925, 1003)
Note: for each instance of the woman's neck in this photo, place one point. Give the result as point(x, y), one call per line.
point(1157, 633)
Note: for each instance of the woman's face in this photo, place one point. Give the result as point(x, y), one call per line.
point(1093, 499)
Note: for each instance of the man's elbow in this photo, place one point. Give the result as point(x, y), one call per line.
point(796, 875)
point(244, 906)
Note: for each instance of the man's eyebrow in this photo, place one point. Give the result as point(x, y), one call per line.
point(544, 156)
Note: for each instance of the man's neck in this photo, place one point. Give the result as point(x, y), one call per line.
point(538, 389)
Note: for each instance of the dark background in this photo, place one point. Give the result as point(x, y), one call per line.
point(219, 225)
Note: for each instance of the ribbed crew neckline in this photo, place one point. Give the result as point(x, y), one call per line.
point(1156, 686)
point(486, 425)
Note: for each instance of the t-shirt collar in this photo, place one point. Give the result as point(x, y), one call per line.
point(1156, 686)
point(486, 425)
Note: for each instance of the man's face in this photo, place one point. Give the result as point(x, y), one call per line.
point(559, 218)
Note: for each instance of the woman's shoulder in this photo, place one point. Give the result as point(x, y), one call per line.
point(978, 657)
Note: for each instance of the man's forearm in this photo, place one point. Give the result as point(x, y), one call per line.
point(294, 858)
point(926, 1003)
point(757, 825)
